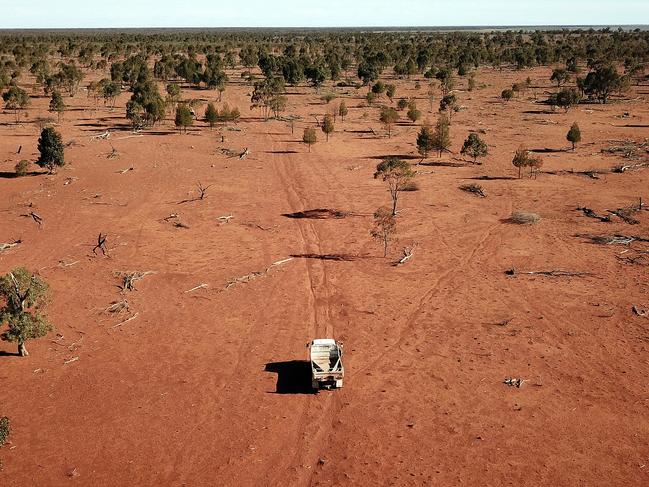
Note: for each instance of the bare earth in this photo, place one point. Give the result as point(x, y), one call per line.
point(202, 387)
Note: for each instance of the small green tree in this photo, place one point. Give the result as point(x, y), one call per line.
point(184, 117)
point(474, 147)
point(425, 140)
point(413, 114)
point(25, 295)
point(309, 137)
point(523, 158)
point(50, 146)
point(396, 173)
point(385, 225)
point(507, 94)
point(390, 91)
point(211, 115)
point(15, 99)
point(402, 104)
point(560, 76)
point(389, 117)
point(472, 83)
point(574, 135)
point(342, 110)
point(567, 98)
point(327, 125)
point(442, 135)
point(57, 105)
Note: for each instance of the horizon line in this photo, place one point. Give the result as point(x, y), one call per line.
point(410, 27)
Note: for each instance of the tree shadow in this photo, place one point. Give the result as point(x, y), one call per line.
point(317, 214)
point(492, 178)
point(443, 164)
point(13, 175)
point(281, 152)
point(336, 257)
point(407, 157)
point(546, 150)
point(293, 377)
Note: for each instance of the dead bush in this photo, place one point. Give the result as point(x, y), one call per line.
point(410, 186)
point(524, 218)
point(22, 168)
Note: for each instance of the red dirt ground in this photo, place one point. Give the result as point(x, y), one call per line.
point(185, 393)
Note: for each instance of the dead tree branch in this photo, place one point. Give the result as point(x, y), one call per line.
point(129, 278)
point(101, 244)
point(591, 214)
point(7, 246)
point(552, 273)
point(255, 275)
point(34, 217)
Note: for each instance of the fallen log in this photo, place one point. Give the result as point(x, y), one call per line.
point(591, 214)
point(552, 273)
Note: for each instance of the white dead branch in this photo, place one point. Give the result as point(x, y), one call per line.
point(69, 361)
point(126, 321)
point(407, 254)
point(7, 246)
point(225, 218)
point(200, 286)
point(255, 275)
point(102, 136)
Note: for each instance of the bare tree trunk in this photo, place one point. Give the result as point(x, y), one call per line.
point(22, 351)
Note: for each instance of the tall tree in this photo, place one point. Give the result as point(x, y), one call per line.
point(183, 117)
point(342, 110)
point(57, 105)
point(442, 135)
point(389, 116)
point(396, 173)
point(327, 125)
point(50, 147)
point(385, 225)
point(425, 140)
point(15, 99)
point(211, 115)
point(309, 137)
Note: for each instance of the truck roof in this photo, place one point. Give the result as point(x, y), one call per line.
point(323, 341)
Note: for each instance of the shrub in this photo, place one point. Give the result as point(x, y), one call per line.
point(524, 218)
point(4, 430)
point(22, 168)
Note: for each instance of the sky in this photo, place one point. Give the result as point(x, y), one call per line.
point(23, 14)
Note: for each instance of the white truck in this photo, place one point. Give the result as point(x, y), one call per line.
point(327, 369)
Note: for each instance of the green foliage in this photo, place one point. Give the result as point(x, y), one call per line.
point(388, 117)
point(425, 140)
point(566, 98)
point(442, 135)
point(327, 125)
point(413, 113)
point(390, 91)
point(328, 97)
point(183, 117)
point(379, 88)
point(56, 104)
point(342, 110)
point(211, 115)
point(25, 296)
point(309, 137)
point(507, 94)
point(474, 147)
point(402, 104)
point(396, 173)
point(15, 99)
point(523, 158)
point(371, 97)
point(601, 82)
point(385, 226)
point(574, 135)
point(560, 76)
point(50, 147)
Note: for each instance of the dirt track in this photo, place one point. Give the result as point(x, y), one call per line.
point(206, 387)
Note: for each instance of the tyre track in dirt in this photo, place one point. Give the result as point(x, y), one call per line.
point(319, 291)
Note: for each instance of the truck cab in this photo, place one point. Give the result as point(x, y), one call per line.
point(326, 363)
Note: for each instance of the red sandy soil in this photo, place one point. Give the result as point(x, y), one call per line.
point(184, 394)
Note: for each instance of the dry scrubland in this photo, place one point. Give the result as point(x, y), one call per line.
point(201, 387)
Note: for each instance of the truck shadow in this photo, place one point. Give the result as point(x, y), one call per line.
point(293, 377)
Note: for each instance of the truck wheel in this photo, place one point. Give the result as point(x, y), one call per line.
point(315, 385)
